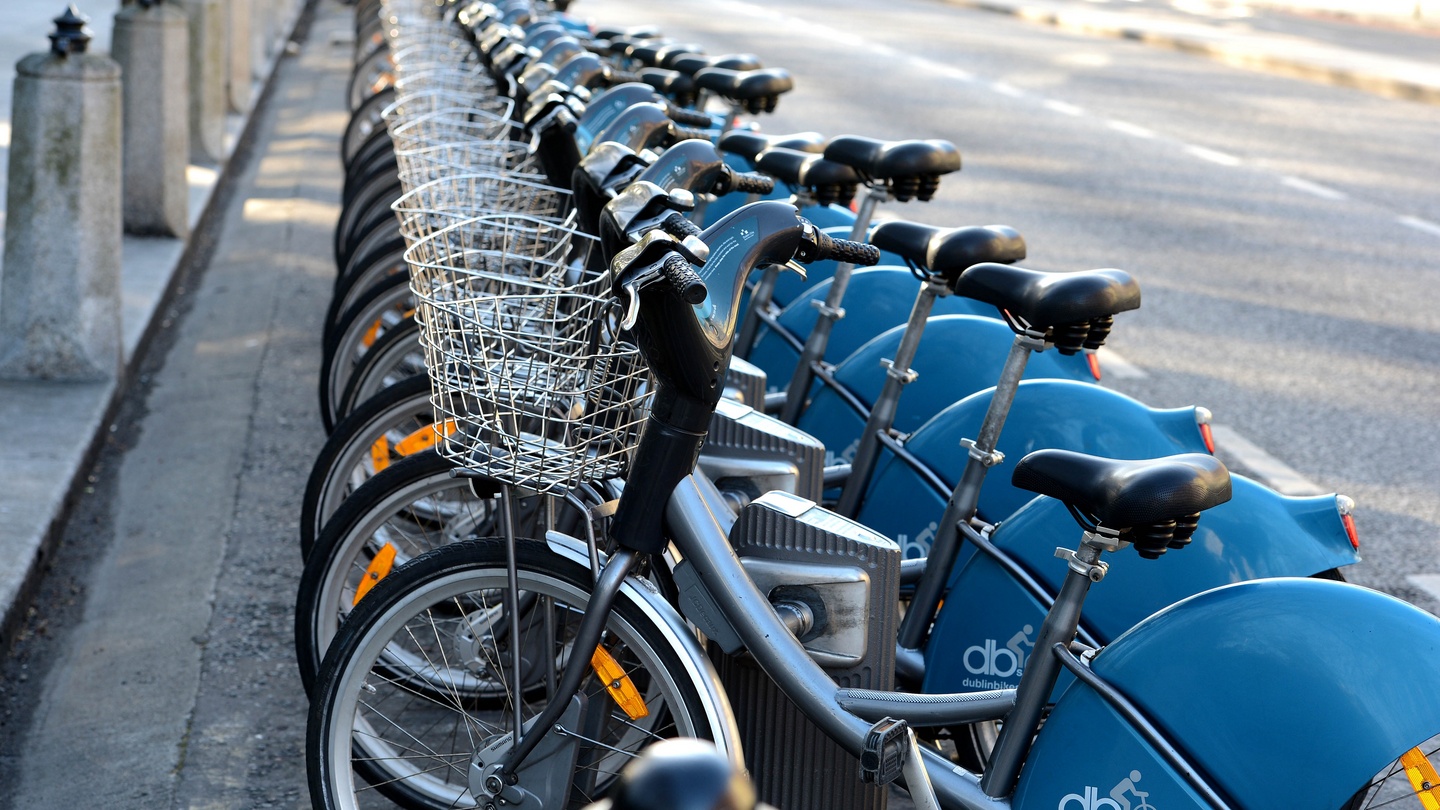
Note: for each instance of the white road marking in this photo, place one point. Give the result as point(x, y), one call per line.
point(1429, 583)
point(1213, 156)
point(1063, 108)
point(1313, 188)
point(1113, 366)
point(1271, 471)
point(1421, 225)
point(1007, 90)
point(1130, 129)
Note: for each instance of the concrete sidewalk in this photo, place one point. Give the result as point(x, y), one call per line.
point(1363, 63)
point(49, 431)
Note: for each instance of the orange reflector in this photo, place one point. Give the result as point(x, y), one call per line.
point(1094, 360)
point(378, 568)
point(380, 454)
point(1422, 777)
point(370, 334)
point(1349, 521)
point(424, 438)
point(1208, 436)
point(622, 690)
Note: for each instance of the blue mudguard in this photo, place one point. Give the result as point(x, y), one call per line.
point(905, 503)
point(1282, 692)
point(961, 354)
point(988, 609)
point(878, 299)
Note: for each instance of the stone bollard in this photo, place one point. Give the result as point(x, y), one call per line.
point(208, 101)
point(238, 75)
point(60, 284)
point(151, 43)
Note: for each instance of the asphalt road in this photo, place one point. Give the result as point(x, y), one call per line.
point(1282, 232)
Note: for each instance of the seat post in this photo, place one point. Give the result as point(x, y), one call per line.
point(798, 390)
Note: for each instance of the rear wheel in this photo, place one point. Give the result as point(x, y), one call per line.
point(421, 683)
point(1408, 783)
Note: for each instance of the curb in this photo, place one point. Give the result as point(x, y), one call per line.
point(96, 405)
point(1257, 54)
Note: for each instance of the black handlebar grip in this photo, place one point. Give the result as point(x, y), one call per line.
point(614, 76)
point(689, 118)
point(856, 253)
point(843, 250)
point(753, 183)
point(683, 278)
point(690, 133)
point(679, 227)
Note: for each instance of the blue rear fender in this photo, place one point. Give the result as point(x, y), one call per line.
point(960, 354)
point(877, 299)
point(1259, 533)
point(1058, 414)
point(1283, 692)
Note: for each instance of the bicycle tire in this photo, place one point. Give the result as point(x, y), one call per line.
point(345, 461)
point(413, 506)
point(381, 308)
point(372, 200)
point(372, 74)
point(454, 588)
point(362, 272)
point(363, 125)
point(395, 356)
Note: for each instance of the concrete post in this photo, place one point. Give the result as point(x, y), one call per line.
point(259, 37)
point(60, 284)
point(239, 79)
point(151, 43)
point(207, 80)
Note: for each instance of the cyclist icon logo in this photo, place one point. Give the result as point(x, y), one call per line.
point(1124, 796)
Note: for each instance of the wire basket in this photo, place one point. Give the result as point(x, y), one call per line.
point(527, 367)
point(455, 198)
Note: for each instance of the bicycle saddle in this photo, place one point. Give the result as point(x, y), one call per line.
point(911, 169)
point(656, 54)
point(671, 83)
point(828, 181)
point(1075, 308)
point(749, 143)
point(691, 63)
point(1155, 501)
point(757, 90)
point(680, 774)
point(949, 251)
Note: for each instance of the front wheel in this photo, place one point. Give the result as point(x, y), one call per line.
point(421, 683)
point(1410, 782)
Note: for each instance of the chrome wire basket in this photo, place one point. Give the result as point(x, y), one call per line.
point(527, 374)
point(455, 198)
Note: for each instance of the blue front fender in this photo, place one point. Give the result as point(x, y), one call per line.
point(1283, 692)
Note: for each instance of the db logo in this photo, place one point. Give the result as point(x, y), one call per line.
point(992, 659)
point(1124, 796)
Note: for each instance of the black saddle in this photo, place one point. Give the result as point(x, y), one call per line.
point(910, 169)
point(828, 182)
point(692, 63)
point(1154, 503)
point(948, 252)
point(756, 90)
point(1074, 309)
point(749, 143)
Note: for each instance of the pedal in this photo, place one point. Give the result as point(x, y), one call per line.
point(886, 747)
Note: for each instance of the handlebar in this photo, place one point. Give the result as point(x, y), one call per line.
point(683, 278)
point(689, 118)
point(752, 183)
point(821, 245)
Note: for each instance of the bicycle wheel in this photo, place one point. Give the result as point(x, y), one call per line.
point(1404, 784)
point(419, 681)
point(364, 122)
point(380, 309)
point(364, 443)
point(394, 357)
point(409, 508)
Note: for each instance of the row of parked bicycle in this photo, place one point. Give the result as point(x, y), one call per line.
point(592, 386)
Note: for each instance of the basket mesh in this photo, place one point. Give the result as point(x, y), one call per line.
point(522, 356)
